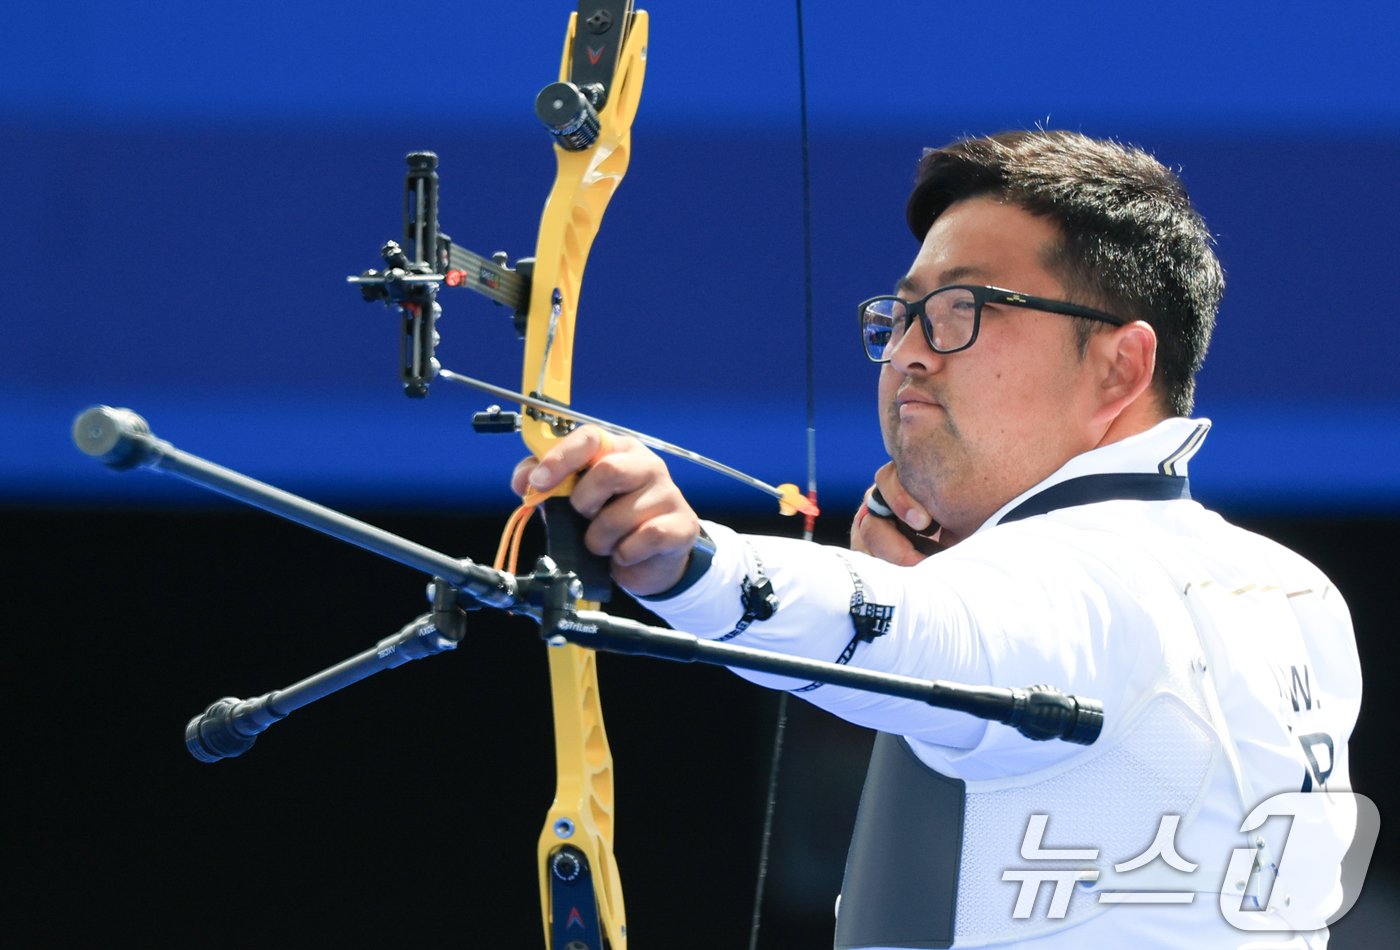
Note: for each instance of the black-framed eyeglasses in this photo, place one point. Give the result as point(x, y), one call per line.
point(951, 317)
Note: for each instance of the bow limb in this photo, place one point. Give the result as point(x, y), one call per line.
point(583, 186)
point(575, 852)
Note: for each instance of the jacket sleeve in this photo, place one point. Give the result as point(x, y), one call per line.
point(1015, 606)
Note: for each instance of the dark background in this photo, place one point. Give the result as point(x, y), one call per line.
point(185, 188)
point(404, 811)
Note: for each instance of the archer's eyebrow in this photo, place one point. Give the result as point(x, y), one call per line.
point(952, 275)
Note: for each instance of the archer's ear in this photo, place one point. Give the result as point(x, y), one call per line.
point(1127, 357)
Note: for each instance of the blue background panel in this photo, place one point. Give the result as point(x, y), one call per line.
point(185, 187)
point(184, 203)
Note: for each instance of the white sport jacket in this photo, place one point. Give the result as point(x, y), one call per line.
point(1228, 673)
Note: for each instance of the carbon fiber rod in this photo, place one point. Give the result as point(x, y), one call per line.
point(122, 440)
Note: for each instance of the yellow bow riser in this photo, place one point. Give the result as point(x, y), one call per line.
point(582, 814)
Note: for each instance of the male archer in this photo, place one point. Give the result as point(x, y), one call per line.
point(1034, 525)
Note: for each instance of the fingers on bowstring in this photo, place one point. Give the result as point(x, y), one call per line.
point(889, 540)
point(875, 504)
point(891, 500)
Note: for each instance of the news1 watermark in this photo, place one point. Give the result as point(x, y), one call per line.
point(1290, 885)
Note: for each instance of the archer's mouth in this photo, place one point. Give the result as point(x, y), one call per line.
point(910, 403)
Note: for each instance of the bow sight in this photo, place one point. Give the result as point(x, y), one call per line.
point(569, 110)
point(411, 283)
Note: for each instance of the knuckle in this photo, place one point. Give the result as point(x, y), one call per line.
point(649, 537)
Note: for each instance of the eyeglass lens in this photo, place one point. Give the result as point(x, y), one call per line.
point(951, 314)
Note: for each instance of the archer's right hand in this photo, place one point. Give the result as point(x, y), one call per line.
point(891, 525)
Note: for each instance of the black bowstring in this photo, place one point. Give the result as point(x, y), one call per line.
point(780, 724)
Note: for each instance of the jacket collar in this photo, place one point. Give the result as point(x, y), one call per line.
point(1150, 466)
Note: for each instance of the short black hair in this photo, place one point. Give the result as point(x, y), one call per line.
point(1132, 243)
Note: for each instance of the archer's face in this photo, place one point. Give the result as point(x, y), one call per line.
point(969, 431)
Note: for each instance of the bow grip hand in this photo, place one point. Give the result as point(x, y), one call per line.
point(637, 517)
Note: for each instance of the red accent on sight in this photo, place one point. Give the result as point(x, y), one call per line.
point(575, 918)
point(595, 54)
